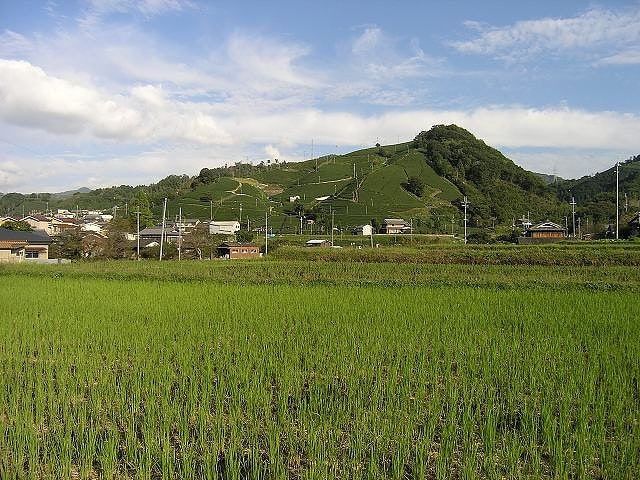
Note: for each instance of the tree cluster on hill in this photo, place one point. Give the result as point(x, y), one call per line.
point(497, 188)
point(238, 169)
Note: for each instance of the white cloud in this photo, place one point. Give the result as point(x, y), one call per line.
point(368, 41)
point(271, 151)
point(627, 57)
point(32, 98)
point(97, 9)
point(263, 59)
point(594, 29)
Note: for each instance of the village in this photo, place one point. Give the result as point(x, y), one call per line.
point(42, 238)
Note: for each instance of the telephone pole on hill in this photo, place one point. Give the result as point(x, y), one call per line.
point(465, 204)
point(573, 216)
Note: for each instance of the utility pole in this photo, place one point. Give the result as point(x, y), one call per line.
point(266, 237)
point(240, 214)
point(465, 204)
point(164, 212)
point(579, 229)
point(180, 235)
point(626, 202)
point(332, 228)
point(617, 198)
point(573, 216)
point(138, 235)
point(211, 210)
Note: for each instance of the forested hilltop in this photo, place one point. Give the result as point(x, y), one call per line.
point(496, 187)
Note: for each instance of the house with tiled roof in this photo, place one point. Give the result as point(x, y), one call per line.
point(17, 246)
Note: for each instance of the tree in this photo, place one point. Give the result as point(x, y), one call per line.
point(414, 185)
point(17, 226)
point(141, 204)
point(244, 236)
point(68, 245)
point(116, 244)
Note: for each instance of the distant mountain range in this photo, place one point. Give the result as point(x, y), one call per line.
point(424, 181)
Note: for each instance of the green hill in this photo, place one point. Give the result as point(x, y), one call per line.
point(360, 187)
point(596, 195)
point(495, 186)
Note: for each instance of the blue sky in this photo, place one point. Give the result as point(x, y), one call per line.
point(100, 93)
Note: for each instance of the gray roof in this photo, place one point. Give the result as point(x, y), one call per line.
point(157, 231)
point(547, 226)
point(394, 221)
point(37, 236)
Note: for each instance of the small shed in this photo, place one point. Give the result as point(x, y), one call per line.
point(238, 250)
point(318, 243)
point(365, 230)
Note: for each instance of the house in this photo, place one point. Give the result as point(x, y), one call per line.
point(16, 246)
point(218, 227)
point(394, 225)
point(60, 225)
point(12, 251)
point(238, 250)
point(545, 232)
point(318, 243)
point(294, 198)
point(186, 224)
point(154, 234)
point(365, 230)
point(39, 222)
point(93, 243)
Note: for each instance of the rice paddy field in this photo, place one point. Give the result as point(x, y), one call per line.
point(316, 369)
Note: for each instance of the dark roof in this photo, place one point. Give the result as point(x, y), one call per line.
point(37, 217)
point(37, 236)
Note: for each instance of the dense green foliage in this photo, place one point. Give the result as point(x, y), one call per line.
point(596, 195)
point(496, 186)
point(17, 226)
point(414, 185)
point(184, 376)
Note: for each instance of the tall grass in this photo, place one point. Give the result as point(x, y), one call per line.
point(157, 379)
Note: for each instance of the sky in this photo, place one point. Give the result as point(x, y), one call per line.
point(97, 93)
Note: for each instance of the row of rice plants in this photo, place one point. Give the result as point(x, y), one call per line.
point(149, 379)
point(389, 274)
